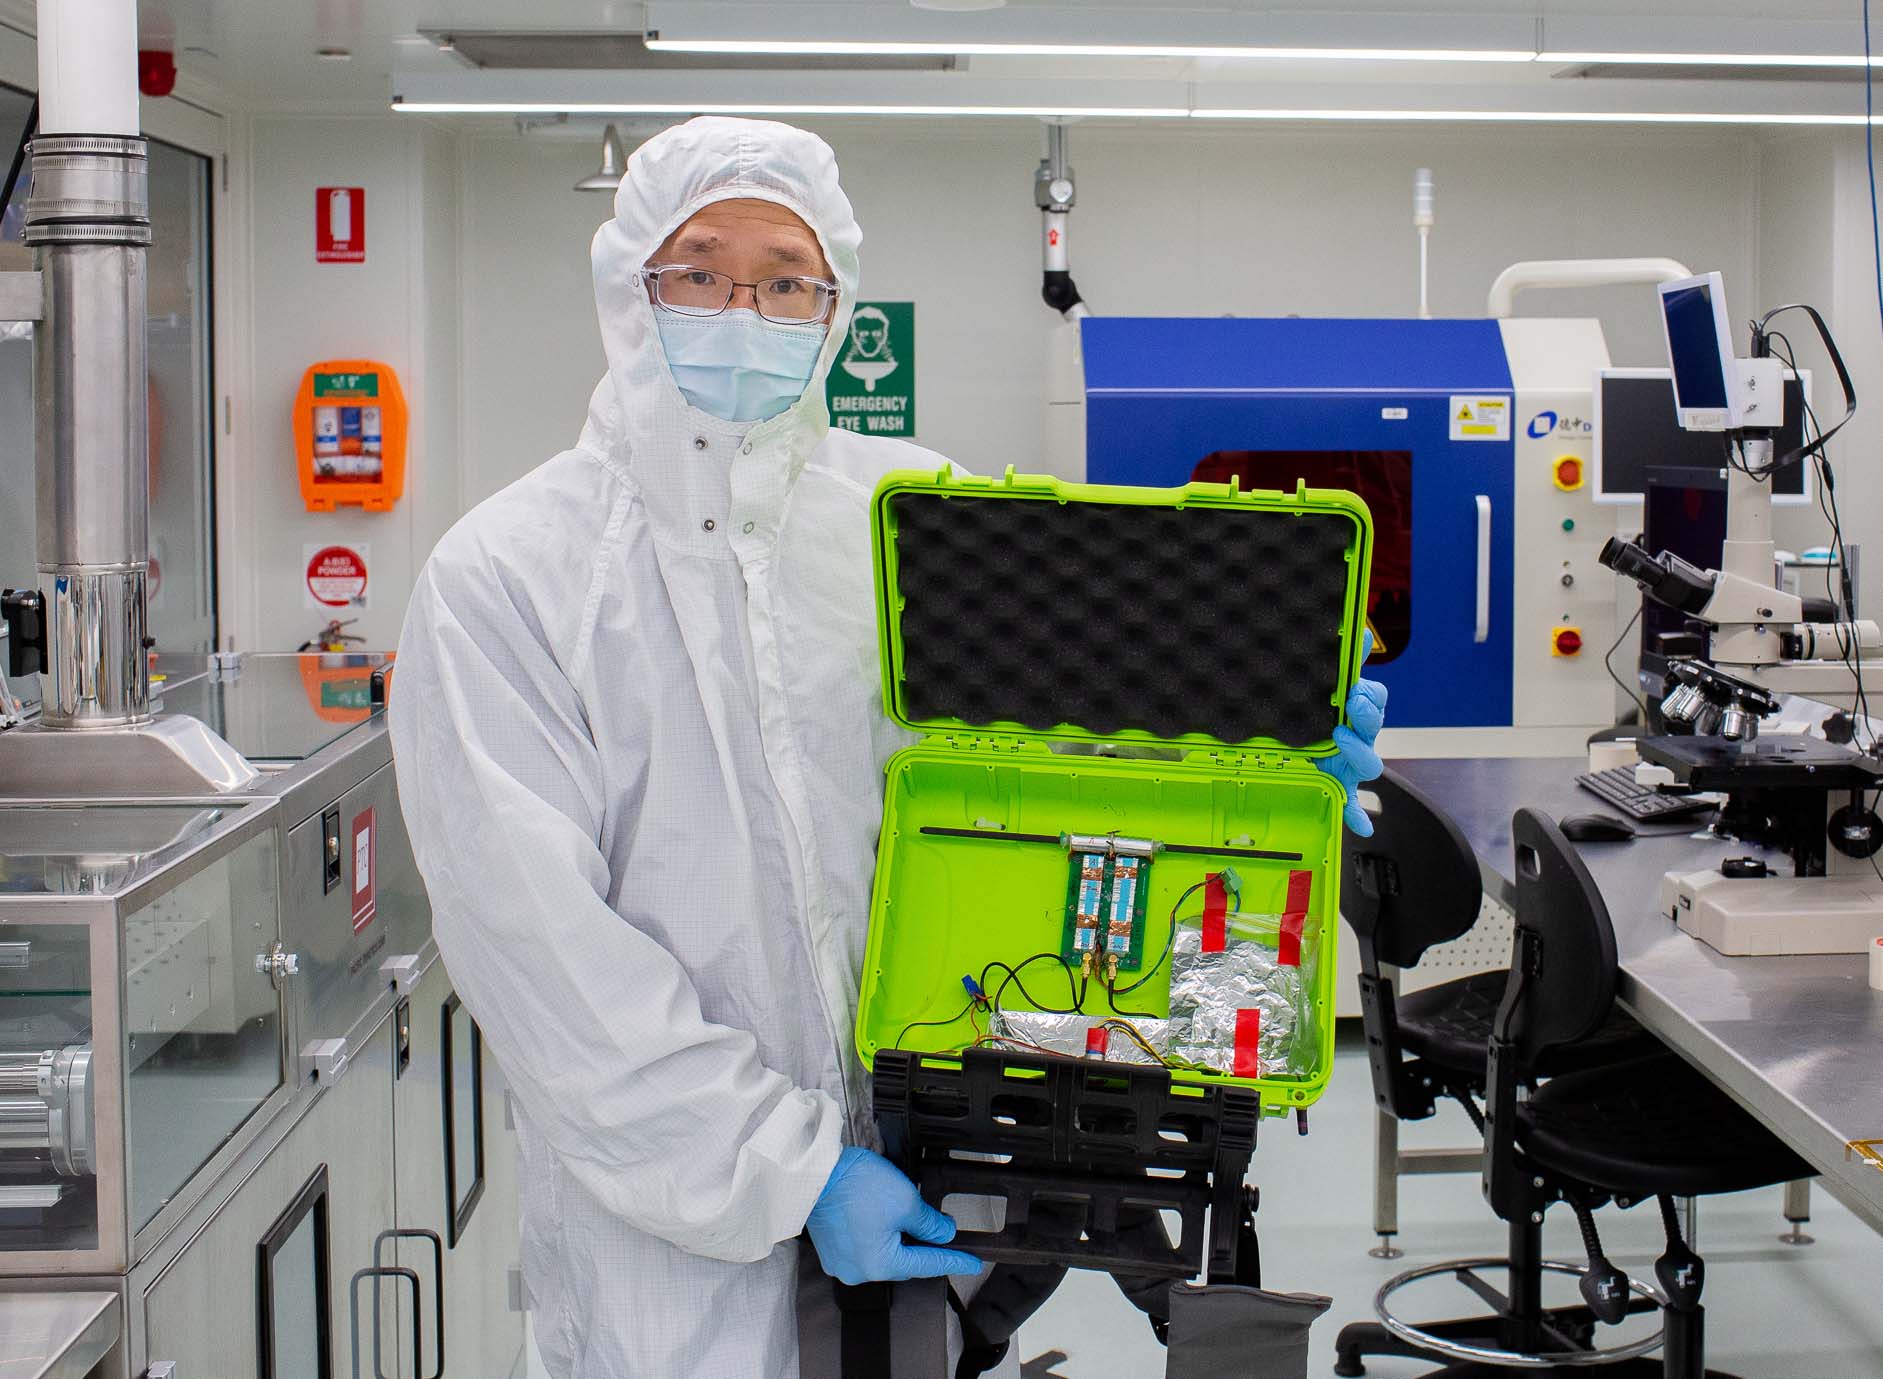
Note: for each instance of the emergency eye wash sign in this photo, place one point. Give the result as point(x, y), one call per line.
point(871, 387)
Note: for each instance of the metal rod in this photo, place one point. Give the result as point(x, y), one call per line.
point(1189, 849)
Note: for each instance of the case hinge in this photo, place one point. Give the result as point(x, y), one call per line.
point(1225, 759)
point(975, 742)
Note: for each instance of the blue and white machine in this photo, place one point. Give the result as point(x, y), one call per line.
point(1469, 439)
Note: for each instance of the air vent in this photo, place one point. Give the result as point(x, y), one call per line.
point(613, 51)
point(1650, 71)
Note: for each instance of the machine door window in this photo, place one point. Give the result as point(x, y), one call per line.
point(296, 1334)
point(461, 1051)
point(1383, 478)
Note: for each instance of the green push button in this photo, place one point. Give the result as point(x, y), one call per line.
point(1569, 524)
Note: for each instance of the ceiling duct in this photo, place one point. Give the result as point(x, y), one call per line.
point(614, 51)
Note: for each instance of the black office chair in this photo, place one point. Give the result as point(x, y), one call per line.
point(1414, 885)
point(1647, 1128)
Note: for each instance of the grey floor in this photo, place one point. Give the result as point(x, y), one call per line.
point(1774, 1311)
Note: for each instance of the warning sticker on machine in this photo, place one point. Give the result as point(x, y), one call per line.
point(1480, 418)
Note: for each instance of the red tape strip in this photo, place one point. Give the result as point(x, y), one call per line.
point(1215, 915)
point(1248, 1055)
point(1294, 918)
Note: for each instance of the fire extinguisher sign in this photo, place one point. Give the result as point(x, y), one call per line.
point(340, 225)
point(336, 577)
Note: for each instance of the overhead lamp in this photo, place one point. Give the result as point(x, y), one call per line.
point(1710, 59)
point(608, 177)
point(789, 47)
point(776, 109)
point(1615, 117)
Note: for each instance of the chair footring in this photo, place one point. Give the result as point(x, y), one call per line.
point(1430, 1341)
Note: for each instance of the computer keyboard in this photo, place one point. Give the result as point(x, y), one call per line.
point(1619, 790)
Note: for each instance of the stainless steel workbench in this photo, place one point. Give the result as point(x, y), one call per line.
point(1798, 1041)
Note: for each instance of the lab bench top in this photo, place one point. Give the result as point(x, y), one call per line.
point(55, 1335)
point(1798, 1041)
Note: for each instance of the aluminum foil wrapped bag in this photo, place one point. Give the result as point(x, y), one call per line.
point(1218, 998)
point(1067, 1034)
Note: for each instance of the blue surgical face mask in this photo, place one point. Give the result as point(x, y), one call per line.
point(738, 366)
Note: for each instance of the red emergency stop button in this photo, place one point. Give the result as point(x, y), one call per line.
point(1568, 473)
point(1566, 641)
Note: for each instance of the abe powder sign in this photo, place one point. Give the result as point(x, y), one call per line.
point(872, 385)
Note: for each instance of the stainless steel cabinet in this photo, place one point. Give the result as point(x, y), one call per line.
point(203, 1311)
point(457, 1180)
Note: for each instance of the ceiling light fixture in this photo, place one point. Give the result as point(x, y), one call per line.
point(1349, 116)
point(782, 47)
point(608, 177)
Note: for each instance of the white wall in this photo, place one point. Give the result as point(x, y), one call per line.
point(1178, 221)
point(477, 284)
point(400, 306)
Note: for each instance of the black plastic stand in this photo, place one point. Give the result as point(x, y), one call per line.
point(1078, 1136)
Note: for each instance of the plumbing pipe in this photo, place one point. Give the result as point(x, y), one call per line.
point(1520, 277)
point(1423, 218)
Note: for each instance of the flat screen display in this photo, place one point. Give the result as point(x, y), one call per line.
point(1637, 429)
point(1693, 348)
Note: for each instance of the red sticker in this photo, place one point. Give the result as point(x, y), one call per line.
point(1294, 918)
point(340, 225)
point(1097, 1041)
point(336, 577)
point(1248, 1055)
point(1215, 917)
point(365, 870)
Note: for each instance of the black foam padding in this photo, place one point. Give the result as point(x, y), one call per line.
point(1224, 622)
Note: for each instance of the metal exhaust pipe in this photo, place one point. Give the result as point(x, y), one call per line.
point(88, 218)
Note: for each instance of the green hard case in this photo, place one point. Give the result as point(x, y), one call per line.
point(944, 907)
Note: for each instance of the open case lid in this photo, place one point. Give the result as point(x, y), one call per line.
point(1198, 616)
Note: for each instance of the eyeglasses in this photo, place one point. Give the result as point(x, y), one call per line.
point(701, 292)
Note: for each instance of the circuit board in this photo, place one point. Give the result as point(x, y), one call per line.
point(1105, 909)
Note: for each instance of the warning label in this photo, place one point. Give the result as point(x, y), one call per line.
point(336, 577)
point(1480, 418)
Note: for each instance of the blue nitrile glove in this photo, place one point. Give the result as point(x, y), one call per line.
point(861, 1216)
point(1356, 760)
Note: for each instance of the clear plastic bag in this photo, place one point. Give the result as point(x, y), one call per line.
point(1242, 997)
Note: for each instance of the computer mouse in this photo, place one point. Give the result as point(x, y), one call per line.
point(1597, 828)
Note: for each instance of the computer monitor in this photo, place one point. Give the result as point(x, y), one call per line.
point(1700, 348)
point(1636, 430)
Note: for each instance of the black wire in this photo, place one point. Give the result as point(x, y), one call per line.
point(1608, 664)
point(19, 155)
point(1170, 940)
point(1074, 988)
point(1842, 592)
point(934, 1024)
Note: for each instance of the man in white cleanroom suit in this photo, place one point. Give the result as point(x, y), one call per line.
point(640, 752)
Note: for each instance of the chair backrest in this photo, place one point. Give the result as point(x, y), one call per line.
point(1562, 981)
point(1414, 884)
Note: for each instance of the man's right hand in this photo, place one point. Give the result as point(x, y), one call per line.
point(861, 1216)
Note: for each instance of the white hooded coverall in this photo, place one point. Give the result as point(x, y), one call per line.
point(640, 751)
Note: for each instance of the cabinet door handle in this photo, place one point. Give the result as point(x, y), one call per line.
point(1482, 630)
point(353, 1314)
point(438, 1294)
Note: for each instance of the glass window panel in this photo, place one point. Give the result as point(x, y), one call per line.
point(295, 1313)
point(48, 1161)
point(1383, 478)
point(202, 1026)
point(182, 612)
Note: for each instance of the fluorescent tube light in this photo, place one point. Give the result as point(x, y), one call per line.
point(1716, 59)
point(1677, 117)
point(1041, 112)
point(898, 48)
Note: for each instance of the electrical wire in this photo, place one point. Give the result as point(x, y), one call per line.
point(1869, 158)
point(1608, 664)
point(1842, 592)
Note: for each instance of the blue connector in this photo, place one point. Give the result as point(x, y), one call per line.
point(973, 988)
